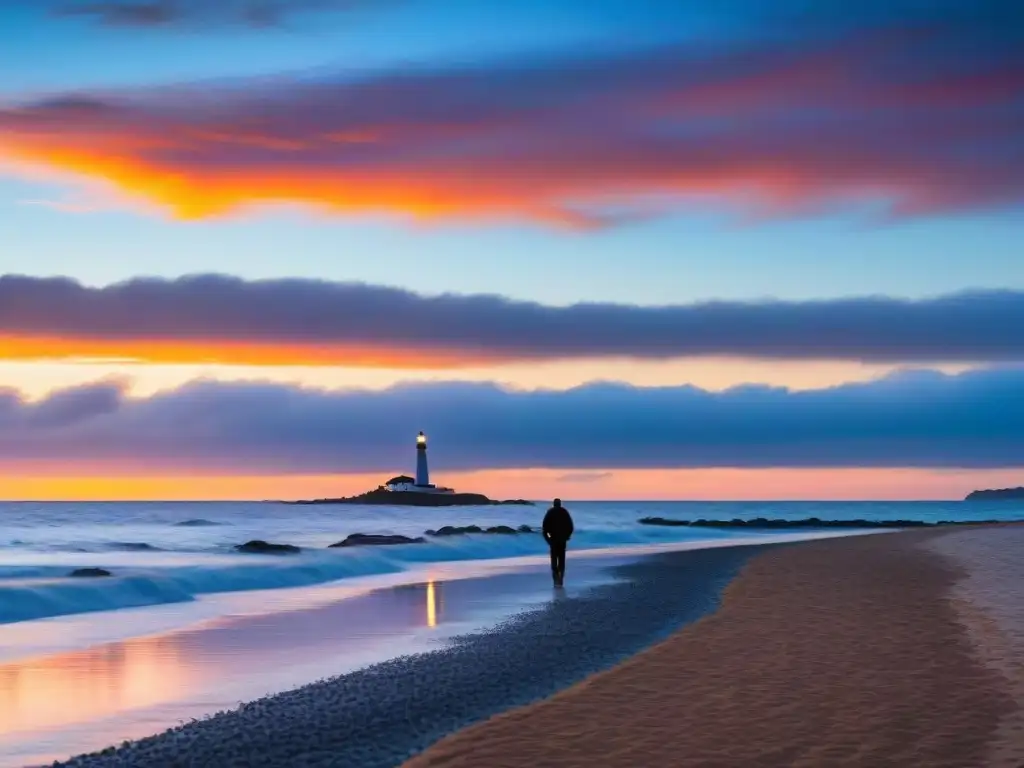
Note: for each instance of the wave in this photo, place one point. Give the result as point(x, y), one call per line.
point(30, 592)
point(132, 546)
point(29, 599)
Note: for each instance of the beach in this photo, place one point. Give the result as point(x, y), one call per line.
point(890, 650)
point(883, 649)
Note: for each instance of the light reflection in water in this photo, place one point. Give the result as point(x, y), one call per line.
point(431, 605)
point(80, 686)
point(84, 686)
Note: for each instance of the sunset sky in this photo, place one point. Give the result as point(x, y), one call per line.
point(600, 249)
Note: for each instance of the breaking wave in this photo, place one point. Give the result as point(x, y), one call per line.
point(31, 592)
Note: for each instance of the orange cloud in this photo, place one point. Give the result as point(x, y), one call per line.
point(234, 352)
point(914, 122)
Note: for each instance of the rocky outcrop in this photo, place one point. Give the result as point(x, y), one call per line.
point(133, 546)
point(376, 540)
point(461, 530)
point(809, 522)
point(259, 547)
point(996, 494)
point(197, 522)
point(381, 497)
point(90, 573)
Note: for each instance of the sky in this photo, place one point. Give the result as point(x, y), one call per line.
point(618, 249)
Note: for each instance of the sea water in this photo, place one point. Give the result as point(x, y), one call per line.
point(168, 553)
point(187, 626)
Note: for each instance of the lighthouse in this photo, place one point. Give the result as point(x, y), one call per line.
point(422, 473)
point(422, 484)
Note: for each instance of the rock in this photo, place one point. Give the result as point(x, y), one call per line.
point(502, 529)
point(258, 547)
point(455, 530)
point(133, 546)
point(414, 499)
point(196, 522)
point(90, 573)
point(376, 540)
point(810, 522)
point(666, 521)
point(461, 530)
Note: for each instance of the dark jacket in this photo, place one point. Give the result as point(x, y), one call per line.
point(558, 525)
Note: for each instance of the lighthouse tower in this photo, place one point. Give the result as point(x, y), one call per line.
point(422, 474)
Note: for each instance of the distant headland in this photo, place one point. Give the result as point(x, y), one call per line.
point(405, 491)
point(996, 494)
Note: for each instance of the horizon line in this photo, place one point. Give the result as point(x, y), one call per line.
point(545, 500)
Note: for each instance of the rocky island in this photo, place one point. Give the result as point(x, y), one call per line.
point(996, 494)
point(382, 496)
point(405, 491)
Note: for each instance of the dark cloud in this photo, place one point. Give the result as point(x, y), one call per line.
point(309, 321)
point(158, 13)
point(913, 419)
point(69, 407)
point(890, 109)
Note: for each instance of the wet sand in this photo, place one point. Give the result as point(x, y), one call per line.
point(868, 651)
point(989, 601)
point(380, 716)
point(142, 685)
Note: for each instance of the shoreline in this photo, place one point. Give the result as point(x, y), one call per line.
point(386, 713)
point(776, 607)
point(855, 652)
point(215, 664)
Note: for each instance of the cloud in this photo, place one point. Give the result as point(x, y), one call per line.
point(913, 419)
point(214, 318)
point(909, 116)
point(585, 477)
point(166, 13)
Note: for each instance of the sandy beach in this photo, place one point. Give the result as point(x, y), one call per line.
point(891, 650)
point(895, 649)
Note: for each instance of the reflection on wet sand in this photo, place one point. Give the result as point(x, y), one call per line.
point(83, 686)
point(431, 605)
point(72, 687)
point(62, 704)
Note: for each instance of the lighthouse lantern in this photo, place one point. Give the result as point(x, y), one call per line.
point(422, 473)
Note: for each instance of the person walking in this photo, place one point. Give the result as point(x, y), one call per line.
point(557, 530)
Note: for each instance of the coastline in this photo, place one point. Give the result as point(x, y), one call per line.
point(386, 713)
point(853, 652)
point(848, 650)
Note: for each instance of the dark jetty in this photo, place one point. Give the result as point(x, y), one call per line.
point(996, 494)
point(462, 530)
point(410, 499)
point(808, 522)
point(258, 547)
point(376, 540)
point(90, 573)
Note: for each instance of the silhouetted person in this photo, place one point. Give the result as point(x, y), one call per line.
point(557, 529)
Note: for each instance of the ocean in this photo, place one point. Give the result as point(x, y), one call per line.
point(186, 626)
point(176, 552)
